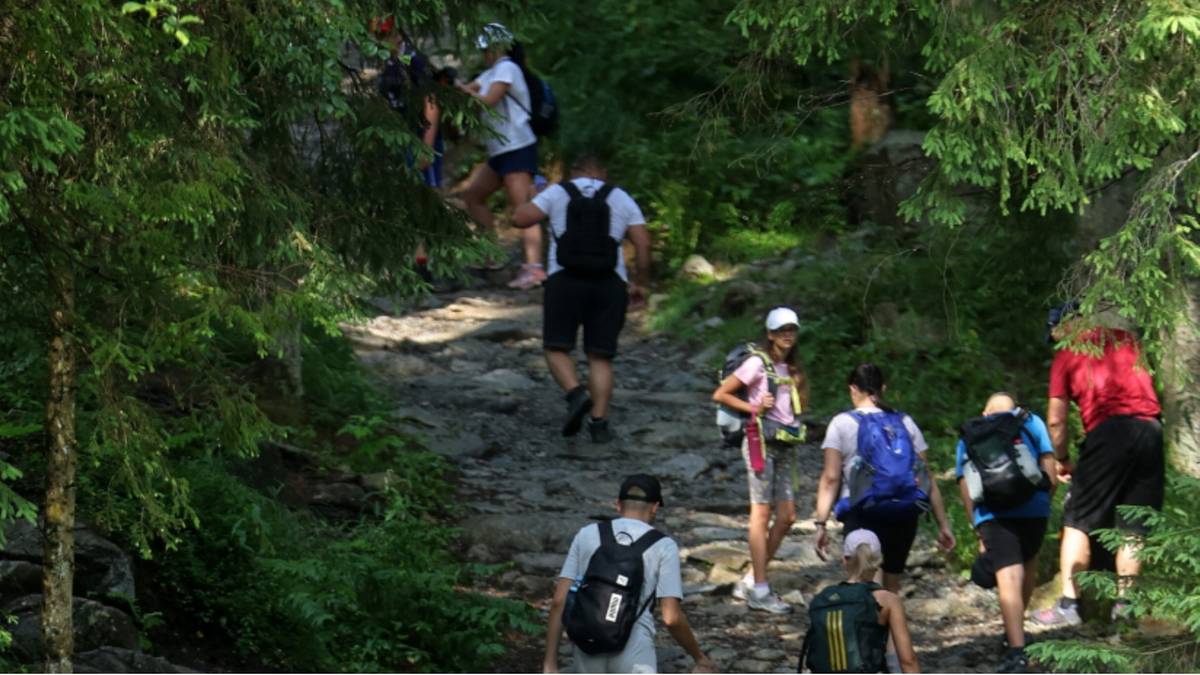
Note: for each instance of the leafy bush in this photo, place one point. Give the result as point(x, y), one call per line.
point(292, 592)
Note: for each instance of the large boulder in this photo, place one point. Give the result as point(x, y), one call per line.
point(102, 569)
point(697, 267)
point(888, 173)
point(118, 660)
point(96, 626)
point(520, 533)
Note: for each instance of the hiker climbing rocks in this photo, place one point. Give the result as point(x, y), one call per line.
point(849, 623)
point(588, 284)
point(769, 387)
point(1003, 463)
point(877, 456)
point(614, 572)
point(1121, 458)
point(512, 147)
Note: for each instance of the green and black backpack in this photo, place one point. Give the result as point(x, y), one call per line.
point(844, 635)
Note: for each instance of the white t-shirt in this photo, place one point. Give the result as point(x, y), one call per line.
point(842, 435)
point(623, 214)
point(660, 564)
point(507, 119)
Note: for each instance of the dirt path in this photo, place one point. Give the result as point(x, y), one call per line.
point(468, 372)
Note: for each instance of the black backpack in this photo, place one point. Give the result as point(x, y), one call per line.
point(844, 635)
point(732, 423)
point(600, 616)
point(403, 83)
point(585, 247)
point(1001, 471)
point(543, 104)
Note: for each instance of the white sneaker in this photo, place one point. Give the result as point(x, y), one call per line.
point(767, 602)
point(741, 589)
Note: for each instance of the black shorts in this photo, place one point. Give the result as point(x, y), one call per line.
point(1012, 541)
point(1120, 462)
point(895, 538)
point(597, 304)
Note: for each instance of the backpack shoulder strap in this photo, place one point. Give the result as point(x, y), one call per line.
point(604, 191)
point(607, 536)
point(572, 191)
point(768, 367)
point(645, 541)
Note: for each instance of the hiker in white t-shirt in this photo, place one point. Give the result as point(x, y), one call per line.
point(511, 146)
point(638, 502)
point(595, 299)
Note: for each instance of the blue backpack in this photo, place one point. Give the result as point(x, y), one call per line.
point(888, 481)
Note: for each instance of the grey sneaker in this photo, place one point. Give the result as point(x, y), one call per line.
point(741, 589)
point(767, 602)
point(1057, 616)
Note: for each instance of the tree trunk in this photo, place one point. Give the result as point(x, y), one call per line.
point(58, 535)
point(870, 113)
point(1181, 399)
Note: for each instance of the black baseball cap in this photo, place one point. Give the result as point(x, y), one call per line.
point(647, 484)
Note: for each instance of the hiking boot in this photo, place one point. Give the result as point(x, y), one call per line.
point(578, 403)
point(1058, 616)
point(767, 602)
point(599, 430)
point(1015, 661)
point(530, 277)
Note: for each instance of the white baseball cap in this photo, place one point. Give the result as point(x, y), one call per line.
point(857, 537)
point(780, 317)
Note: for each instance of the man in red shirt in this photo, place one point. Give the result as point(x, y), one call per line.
point(1120, 460)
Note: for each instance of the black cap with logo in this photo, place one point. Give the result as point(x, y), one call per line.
point(648, 486)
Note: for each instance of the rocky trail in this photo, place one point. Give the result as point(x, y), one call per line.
point(466, 371)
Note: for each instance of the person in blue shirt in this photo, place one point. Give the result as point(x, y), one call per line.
point(1009, 539)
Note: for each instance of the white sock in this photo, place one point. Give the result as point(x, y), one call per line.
point(762, 589)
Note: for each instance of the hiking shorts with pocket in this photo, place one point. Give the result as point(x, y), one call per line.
point(774, 484)
point(1120, 462)
point(1012, 541)
point(597, 304)
point(521, 160)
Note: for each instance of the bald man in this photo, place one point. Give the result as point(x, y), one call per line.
point(1009, 539)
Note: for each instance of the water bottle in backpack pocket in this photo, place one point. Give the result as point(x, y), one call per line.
point(887, 480)
point(601, 614)
point(1000, 470)
point(844, 635)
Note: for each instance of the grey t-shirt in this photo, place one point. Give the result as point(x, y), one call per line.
point(842, 435)
point(660, 563)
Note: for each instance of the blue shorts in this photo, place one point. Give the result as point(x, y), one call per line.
point(432, 174)
point(514, 161)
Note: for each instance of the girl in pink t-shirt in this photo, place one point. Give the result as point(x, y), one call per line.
point(768, 449)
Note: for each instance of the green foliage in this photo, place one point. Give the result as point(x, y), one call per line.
point(1040, 106)
point(291, 592)
point(649, 85)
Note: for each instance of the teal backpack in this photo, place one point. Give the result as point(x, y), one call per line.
point(844, 635)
